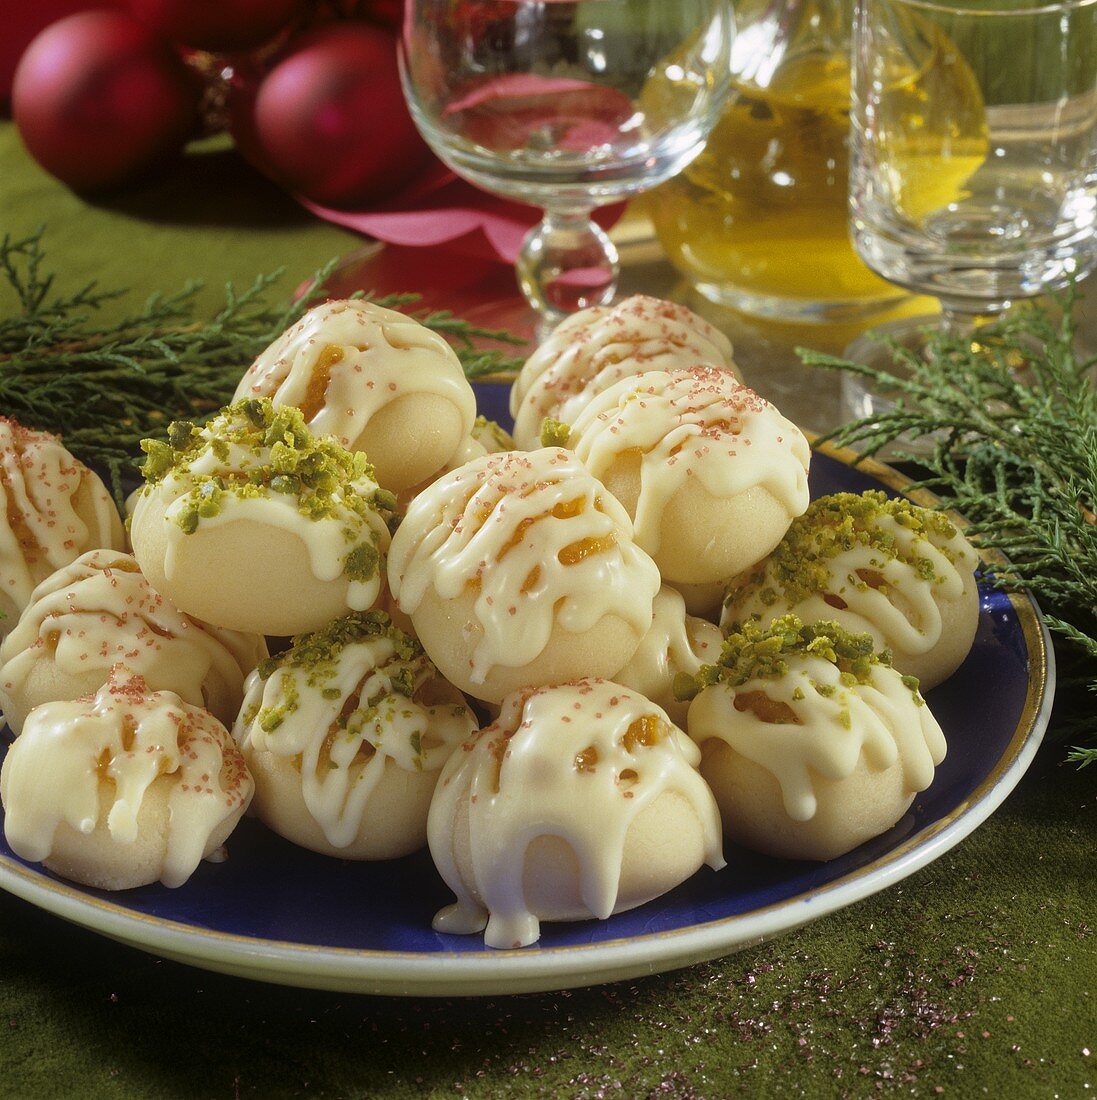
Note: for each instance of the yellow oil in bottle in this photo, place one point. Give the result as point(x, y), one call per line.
point(760, 219)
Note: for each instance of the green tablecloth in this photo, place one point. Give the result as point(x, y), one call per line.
point(975, 977)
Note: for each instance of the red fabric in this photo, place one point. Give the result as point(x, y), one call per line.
point(439, 210)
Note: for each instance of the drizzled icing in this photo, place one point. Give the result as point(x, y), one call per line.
point(126, 738)
point(883, 575)
point(675, 644)
point(539, 540)
point(591, 350)
point(345, 360)
point(370, 701)
point(99, 611)
point(257, 464)
point(578, 761)
point(698, 425)
point(55, 508)
point(836, 723)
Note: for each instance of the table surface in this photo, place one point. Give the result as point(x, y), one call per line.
point(975, 977)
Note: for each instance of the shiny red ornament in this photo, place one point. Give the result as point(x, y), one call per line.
point(329, 121)
point(220, 26)
point(99, 98)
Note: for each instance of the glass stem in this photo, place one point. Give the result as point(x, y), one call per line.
point(567, 263)
point(960, 318)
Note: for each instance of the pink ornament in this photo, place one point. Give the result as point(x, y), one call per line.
point(329, 121)
point(99, 98)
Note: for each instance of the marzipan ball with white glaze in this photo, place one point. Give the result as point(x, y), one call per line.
point(252, 523)
point(345, 734)
point(902, 573)
point(711, 473)
point(55, 508)
point(677, 645)
point(375, 379)
point(811, 743)
point(99, 611)
point(520, 569)
point(123, 788)
point(592, 349)
point(581, 800)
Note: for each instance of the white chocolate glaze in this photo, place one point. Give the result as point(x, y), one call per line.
point(591, 350)
point(883, 720)
point(539, 540)
point(698, 426)
point(579, 761)
point(372, 701)
point(122, 740)
point(675, 643)
point(893, 587)
point(55, 508)
point(345, 360)
point(100, 611)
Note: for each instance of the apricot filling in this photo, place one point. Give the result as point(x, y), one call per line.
point(647, 731)
point(772, 711)
point(317, 390)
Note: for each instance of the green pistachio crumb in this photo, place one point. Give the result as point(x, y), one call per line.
point(274, 451)
point(362, 563)
point(554, 433)
point(756, 652)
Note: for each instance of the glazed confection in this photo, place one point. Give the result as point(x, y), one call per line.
point(902, 573)
point(591, 350)
point(375, 379)
point(55, 508)
point(811, 743)
point(345, 734)
point(253, 524)
point(711, 473)
point(124, 788)
point(520, 569)
point(99, 611)
point(580, 801)
point(677, 645)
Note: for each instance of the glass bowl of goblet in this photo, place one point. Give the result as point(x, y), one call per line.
point(973, 156)
point(567, 105)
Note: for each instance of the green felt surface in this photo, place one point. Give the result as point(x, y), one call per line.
point(975, 977)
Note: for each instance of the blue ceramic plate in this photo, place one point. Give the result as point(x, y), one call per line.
point(283, 914)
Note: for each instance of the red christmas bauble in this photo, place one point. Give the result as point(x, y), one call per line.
point(99, 98)
point(329, 120)
point(217, 25)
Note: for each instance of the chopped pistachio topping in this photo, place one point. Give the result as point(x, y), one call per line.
point(318, 653)
point(800, 566)
point(362, 563)
point(757, 653)
point(554, 433)
point(279, 455)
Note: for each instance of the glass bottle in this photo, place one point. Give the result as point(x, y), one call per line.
point(759, 221)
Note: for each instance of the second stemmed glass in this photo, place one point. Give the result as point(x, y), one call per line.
point(566, 105)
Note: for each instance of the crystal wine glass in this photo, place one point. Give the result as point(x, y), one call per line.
point(973, 152)
point(566, 105)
